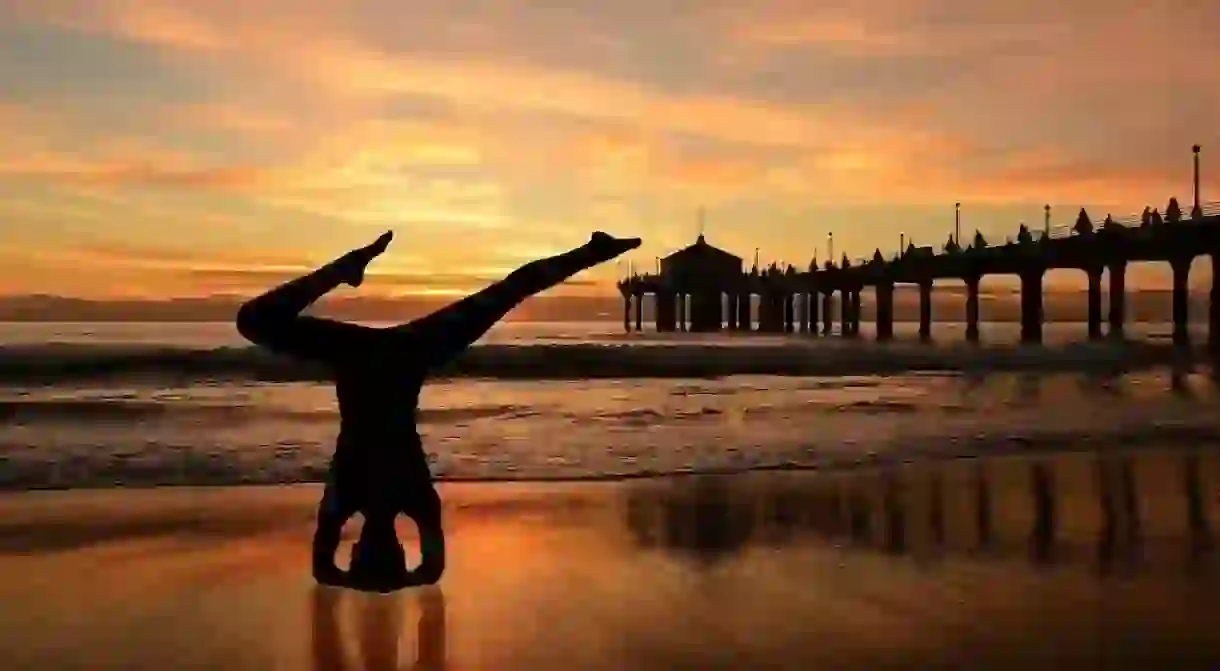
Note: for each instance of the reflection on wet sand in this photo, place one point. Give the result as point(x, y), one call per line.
point(380, 622)
point(938, 508)
point(1044, 561)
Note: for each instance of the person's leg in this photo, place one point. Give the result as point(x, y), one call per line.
point(450, 330)
point(274, 319)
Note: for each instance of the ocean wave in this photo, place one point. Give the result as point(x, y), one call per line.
point(55, 364)
point(171, 465)
point(83, 411)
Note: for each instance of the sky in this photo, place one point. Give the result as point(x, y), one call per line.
point(158, 148)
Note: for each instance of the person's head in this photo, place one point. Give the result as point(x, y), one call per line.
point(377, 556)
point(378, 528)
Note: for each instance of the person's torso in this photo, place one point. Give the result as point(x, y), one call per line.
point(377, 409)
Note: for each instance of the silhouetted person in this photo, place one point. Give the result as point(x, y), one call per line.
point(379, 466)
point(1173, 211)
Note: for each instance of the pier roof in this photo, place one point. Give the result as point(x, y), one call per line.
point(701, 248)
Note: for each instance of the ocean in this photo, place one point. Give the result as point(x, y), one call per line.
point(123, 404)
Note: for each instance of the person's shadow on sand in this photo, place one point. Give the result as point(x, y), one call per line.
point(379, 631)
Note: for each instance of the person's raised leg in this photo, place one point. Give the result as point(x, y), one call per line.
point(274, 319)
point(450, 330)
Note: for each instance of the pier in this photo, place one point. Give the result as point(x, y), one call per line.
point(713, 286)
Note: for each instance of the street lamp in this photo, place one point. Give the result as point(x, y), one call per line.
point(1046, 225)
point(1197, 210)
point(957, 223)
point(830, 246)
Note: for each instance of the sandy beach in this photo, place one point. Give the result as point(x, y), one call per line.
point(862, 569)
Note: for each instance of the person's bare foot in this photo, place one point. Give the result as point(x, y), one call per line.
point(605, 246)
point(354, 262)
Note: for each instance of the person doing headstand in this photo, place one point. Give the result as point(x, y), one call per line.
point(379, 467)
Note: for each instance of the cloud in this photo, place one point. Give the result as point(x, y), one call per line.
point(136, 174)
point(514, 122)
point(319, 46)
point(118, 269)
point(342, 65)
point(232, 117)
point(842, 34)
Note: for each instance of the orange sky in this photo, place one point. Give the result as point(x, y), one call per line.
point(191, 147)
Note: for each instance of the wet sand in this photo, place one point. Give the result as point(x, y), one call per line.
point(866, 569)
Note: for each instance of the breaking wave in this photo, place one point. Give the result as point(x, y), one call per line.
point(55, 364)
point(171, 465)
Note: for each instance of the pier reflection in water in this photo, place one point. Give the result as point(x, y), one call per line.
point(1142, 509)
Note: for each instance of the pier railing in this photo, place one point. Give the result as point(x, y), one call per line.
point(1207, 210)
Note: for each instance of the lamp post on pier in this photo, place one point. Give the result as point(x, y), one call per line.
point(1046, 224)
point(830, 246)
point(957, 224)
point(1196, 211)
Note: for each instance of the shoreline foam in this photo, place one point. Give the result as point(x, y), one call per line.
point(61, 364)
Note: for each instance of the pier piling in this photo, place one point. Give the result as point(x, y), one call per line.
point(925, 311)
point(1094, 303)
point(885, 311)
point(1118, 298)
point(1181, 273)
point(1031, 305)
